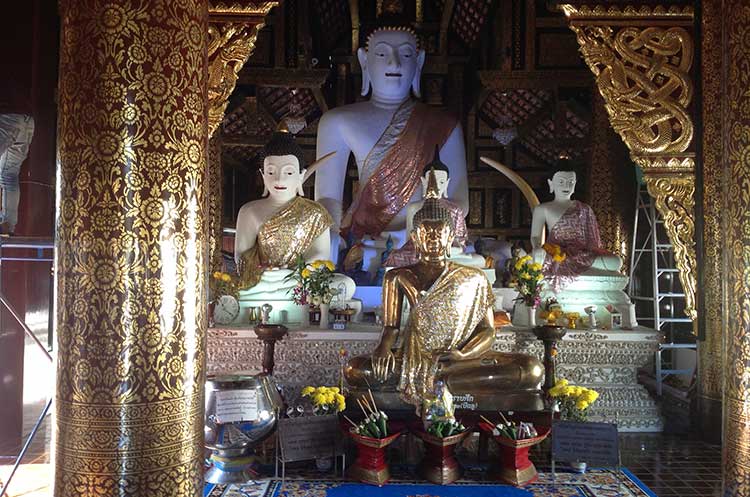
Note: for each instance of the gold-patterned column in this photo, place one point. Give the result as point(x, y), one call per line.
point(642, 59)
point(735, 108)
point(232, 31)
point(131, 248)
point(215, 204)
point(612, 183)
point(710, 357)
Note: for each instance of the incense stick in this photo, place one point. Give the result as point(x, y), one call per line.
point(487, 420)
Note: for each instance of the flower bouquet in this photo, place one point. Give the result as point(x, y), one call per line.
point(222, 284)
point(314, 287)
point(514, 441)
point(555, 251)
point(325, 400)
point(372, 435)
point(526, 277)
point(573, 401)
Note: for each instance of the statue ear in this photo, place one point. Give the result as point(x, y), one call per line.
point(265, 188)
point(551, 189)
point(362, 56)
point(418, 74)
point(300, 190)
point(424, 184)
point(445, 192)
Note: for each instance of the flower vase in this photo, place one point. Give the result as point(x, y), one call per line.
point(305, 315)
point(324, 309)
point(439, 465)
point(524, 315)
point(513, 466)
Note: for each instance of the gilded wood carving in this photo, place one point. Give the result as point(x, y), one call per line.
point(641, 59)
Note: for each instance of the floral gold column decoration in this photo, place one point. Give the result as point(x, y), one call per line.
point(232, 31)
point(642, 59)
point(734, 103)
point(130, 259)
point(710, 357)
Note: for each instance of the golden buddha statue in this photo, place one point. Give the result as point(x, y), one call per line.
point(449, 332)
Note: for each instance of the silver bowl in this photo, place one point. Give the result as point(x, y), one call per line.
point(241, 411)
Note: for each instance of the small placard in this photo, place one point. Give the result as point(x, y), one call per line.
point(308, 437)
point(236, 405)
point(587, 442)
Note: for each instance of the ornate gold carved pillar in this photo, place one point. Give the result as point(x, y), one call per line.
point(215, 204)
point(232, 31)
point(130, 259)
point(734, 105)
point(612, 185)
point(710, 356)
point(641, 59)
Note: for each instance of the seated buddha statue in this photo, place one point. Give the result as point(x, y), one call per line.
point(391, 136)
point(435, 181)
point(571, 226)
point(274, 231)
point(448, 334)
point(578, 272)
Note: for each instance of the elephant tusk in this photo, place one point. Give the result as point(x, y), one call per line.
point(315, 165)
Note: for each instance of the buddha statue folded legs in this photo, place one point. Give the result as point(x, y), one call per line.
point(448, 334)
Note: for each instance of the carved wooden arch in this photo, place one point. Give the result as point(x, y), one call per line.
point(641, 58)
point(233, 28)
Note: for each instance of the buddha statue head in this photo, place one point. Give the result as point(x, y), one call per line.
point(283, 167)
point(433, 230)
point(563, 181)
point(391, 64)
point(441, 172)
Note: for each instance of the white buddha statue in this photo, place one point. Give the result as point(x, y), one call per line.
point(392, 136)
point(435, 181)
point(578, 272)
point(274, 231)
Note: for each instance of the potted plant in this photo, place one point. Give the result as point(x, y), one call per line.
point(371, 436)
point(514, 441)
point(439, 464)
point(526, 277)
point(573, 402)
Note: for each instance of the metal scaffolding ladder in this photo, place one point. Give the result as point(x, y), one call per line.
point(655, 286)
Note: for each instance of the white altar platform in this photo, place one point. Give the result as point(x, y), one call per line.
point(606, 360)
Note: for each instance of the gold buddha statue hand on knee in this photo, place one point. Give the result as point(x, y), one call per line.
point(449, 332)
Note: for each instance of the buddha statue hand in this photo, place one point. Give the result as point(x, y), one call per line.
point(383, 360)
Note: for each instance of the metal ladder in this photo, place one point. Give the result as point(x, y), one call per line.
point(653, 263)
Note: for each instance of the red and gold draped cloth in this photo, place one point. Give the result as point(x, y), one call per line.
point(396, 177)
point(577, 234)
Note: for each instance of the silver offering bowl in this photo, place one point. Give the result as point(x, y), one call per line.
point(235, 397)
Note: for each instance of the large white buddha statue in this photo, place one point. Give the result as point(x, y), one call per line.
point(274, 231)
point(392, 136)
point(578, 271)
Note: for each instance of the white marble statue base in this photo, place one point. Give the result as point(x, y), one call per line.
point(607, 361)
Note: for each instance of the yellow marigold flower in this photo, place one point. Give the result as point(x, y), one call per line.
point(306, 273)
point(582, 405)
point(539, 276)
point(217, 275)
point(561, 381)
point(524, 275)
point(526, 258)
point(335, 390)
point(226, 277)
point(518, 264)
point(317, 264)
point(318, 399)
point(559, 257)
point(330, 265)
point(341, 404)
point(307, 391)
point(555, 391)
point(536, 266)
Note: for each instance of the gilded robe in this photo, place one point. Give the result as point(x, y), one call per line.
point(395, 165)
point(282, 238)
point(444, 318)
